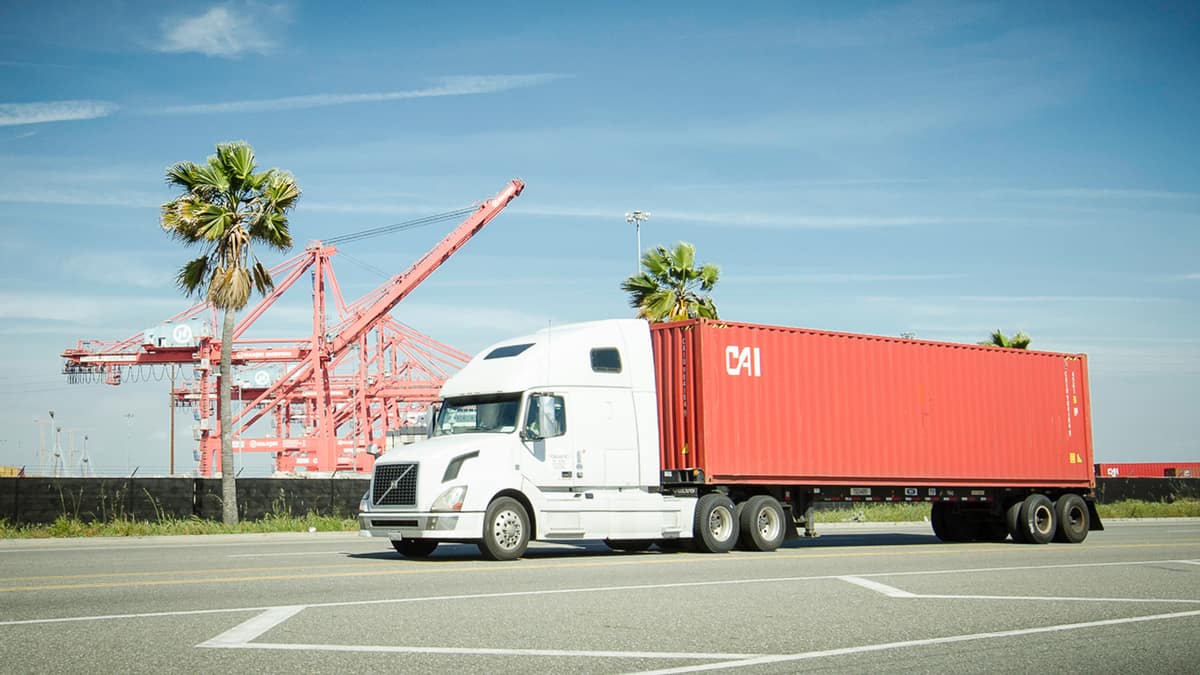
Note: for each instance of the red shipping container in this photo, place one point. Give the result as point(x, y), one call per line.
point(1149, 470)
point(752, 404)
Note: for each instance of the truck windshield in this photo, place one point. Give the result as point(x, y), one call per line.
point(478, 414)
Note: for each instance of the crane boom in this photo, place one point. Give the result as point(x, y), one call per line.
point(402, 284)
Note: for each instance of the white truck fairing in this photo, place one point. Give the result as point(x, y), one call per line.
point(562, 422)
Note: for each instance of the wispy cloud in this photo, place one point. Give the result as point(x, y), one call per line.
point(897, 24)
point(12, 114)
point(220, 31)
point(776, 221)
point(81, 309)
point(1192, 276)
point(1086, 193)
point(838, 278)
point(81, 197)
point(463, 85)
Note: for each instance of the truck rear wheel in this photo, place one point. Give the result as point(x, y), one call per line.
point(715, 528)
point(1037, 521)
point(415, 548)
point(762, 523)
point(1073, 519)
point(505, 530)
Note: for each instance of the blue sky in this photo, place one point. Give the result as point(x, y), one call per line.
point(937, 168)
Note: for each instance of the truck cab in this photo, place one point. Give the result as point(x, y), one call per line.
point(551, 436)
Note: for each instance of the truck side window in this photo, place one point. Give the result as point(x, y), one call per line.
point(606, 360)
point(546, 416)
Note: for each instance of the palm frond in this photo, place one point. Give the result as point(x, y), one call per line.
point(193, 276)
point(236, 161)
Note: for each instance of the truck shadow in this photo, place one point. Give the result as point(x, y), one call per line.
point(589, 549)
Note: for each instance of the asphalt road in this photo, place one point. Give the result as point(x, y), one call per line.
point(858, 599)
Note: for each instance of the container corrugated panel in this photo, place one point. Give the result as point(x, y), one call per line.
point(766, 404)
point(1149, 470)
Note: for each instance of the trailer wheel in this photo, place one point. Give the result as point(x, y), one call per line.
point(762, 523)
point(1073, 519)
point(505, 530)
point(937, 518)
point(415, 548)
point(1012, 519)
point(1037, 521)
point(629, 544)
point(715, 529)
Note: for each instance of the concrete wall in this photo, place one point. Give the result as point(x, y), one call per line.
point(1110, 490)
point(42, 500)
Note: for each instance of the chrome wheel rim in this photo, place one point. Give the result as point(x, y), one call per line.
point(507, 529)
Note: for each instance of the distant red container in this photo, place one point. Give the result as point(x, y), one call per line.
point(1149, 470)
point(752, 404)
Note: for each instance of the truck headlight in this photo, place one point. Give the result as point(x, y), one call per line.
point(364, 504)
point(450, 500)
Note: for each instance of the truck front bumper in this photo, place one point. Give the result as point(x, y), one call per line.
point(449, 526)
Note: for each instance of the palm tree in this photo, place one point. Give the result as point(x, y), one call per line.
point(670, 287)
point(226, 208)
point(1018, 341)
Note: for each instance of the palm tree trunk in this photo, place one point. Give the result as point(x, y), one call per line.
point(229, 507)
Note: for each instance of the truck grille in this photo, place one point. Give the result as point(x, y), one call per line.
point(395, 485)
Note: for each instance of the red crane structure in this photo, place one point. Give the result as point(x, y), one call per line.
point(333, 398)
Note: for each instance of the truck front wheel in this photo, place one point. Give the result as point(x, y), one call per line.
point(715, 528)
point(505, 530)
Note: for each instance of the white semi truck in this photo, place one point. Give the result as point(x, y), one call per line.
point(715, 433)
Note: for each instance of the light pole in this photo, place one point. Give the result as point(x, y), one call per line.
point(58, 461)
point(636, 218)
point(128, 438)
point(85, 462)
point(43, 433)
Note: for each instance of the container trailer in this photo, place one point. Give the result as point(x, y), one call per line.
point(1149, 470)
point(713, 435)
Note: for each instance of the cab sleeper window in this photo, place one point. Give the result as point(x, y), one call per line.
point(507, 351)
point(606, 360)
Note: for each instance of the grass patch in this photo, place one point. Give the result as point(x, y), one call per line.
point(872, 513)
point(1180, 508)
point(65, 526)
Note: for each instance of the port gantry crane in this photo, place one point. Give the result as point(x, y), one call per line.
point(333, 398)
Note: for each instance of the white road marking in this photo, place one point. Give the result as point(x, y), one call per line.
point(889, 591)
point(21, 548)
point(893, 592)
point(908, 644)
point(563, 591)
point(282, 555)
point(248, 630)
point(482, 651)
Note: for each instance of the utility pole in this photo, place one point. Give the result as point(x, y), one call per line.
point(43, 425)
point(171, 407)
point(128, 439)
point(58, 463)
point(636, 218)
point(85, 462)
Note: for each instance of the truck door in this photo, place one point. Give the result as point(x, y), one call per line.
point(551, 459)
